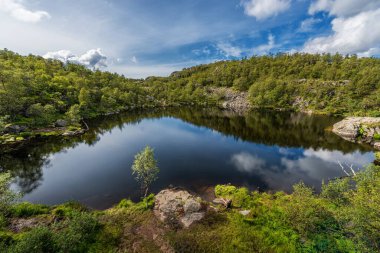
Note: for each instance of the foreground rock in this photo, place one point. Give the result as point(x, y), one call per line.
point(359, 129)
point(178, 207)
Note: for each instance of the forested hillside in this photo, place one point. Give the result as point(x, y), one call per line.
point(35, 92)
point(322, 83)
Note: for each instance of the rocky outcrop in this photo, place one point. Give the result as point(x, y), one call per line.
point(359, 129)
point(179, 207)
point(14, 129)
point(231, 99)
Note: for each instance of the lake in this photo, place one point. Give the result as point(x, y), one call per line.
point(195, 148)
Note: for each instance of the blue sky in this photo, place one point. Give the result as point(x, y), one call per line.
point(139, 38)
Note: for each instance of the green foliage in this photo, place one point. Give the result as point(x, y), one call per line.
point(37, 91)
point(39, 240)
point(7, 196)
point(27, 209)
point(125, 203)
point(146, 203)
point(376, 137)
point(76, 233)
point(145, 168)
point(68, 209)
point(73, 114)
point(240, 196)
point(336, 191)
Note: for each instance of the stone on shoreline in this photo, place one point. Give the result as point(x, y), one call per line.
point(359, 129)
point(178, 206)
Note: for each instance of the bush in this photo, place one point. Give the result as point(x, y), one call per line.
point(240, 196)
point(7, 196)
point(125, 203)
point(68, 209)
point(27, 209)
point(76, 234)
point(39, 240)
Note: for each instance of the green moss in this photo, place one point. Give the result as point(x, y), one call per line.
point(376, 137)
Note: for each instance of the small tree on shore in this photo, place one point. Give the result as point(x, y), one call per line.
point(145, 168)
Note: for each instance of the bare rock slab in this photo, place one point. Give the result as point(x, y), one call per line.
point(179, 205)
point(359, 129)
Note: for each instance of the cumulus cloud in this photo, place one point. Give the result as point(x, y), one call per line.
point(343, 7)
point(354, 27)
point(265, 48)
point(228, 50)
point(248, 163)
point(17, 10)
point(262, 9)
point(93, 58)
point(308, 24)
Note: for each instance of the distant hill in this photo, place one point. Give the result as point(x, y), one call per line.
point(37, 92)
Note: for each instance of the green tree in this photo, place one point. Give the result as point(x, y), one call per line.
point(73, 114)
point(7, 196)
point(145, 168)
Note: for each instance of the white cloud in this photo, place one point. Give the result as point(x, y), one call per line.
point(262, 9)
point(93, 58)
point(370, 52)
point(355, 34)
point(17, 10)
point(246, 162)
point(134, 59)
point(265, 48)
point(343, 7)
point(308, 24)
point(229, 50)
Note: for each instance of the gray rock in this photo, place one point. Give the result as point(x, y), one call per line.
point(178, 205)
point(61, 123)
point(190, 218)
point(192, 206)
point(376, 145)
point(14, 129)
point(353, 127)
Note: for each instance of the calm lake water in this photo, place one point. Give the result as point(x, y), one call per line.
point(195, 149)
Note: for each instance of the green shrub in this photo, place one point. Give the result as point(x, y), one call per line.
point(7, 196)
point(336, 191)
point(38, 240)
point(27, 209)
point(376, 137)
point(377, 156)
point(77, 233)
point(68, 209)
point(224, 190)
point(240, 196)
point(6, 238)
point(125, 203)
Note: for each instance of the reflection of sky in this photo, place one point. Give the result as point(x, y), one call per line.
point(188, 156)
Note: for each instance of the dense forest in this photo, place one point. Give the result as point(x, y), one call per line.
point(322, 83)
point(344, 217)
point(35, 92)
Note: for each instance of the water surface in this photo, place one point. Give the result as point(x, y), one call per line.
point(195, 148)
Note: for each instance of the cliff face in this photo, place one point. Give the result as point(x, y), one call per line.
point(360, 129)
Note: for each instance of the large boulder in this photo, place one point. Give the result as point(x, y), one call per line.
point(14, 129)
point(352, 128)
point(177, 206)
